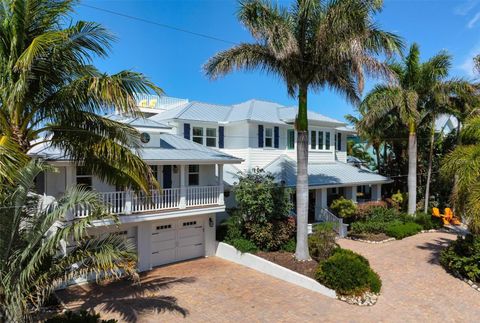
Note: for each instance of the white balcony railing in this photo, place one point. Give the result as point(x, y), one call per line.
point(127, 202)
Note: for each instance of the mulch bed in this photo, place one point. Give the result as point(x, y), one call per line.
point(287, 260)
point(371, 237)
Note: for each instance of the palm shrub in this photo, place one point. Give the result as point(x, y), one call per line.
point(51, 94)
point(463, 257)
point(311, 46)
point(32, 234)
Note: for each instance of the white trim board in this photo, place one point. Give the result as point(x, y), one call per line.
point(228, 252)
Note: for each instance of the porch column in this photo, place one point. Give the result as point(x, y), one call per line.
point(320, 201)
point(128, 202)
point(183, 189)
point(70, 178)
point(376, 192)
point(351, 193)
point(221, 198)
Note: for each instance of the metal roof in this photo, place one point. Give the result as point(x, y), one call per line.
point(328, 174)
point(171, 148)
point(139, 122)
point(251, 110)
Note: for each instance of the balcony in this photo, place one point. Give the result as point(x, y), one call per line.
point(128, 202)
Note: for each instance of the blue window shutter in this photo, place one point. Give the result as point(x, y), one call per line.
point(276, 137)
point(186, 131)
point(260, 136)
point(221, 136)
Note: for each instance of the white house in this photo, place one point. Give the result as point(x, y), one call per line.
point(262, 134)
point(177, 222)
point(196, 151)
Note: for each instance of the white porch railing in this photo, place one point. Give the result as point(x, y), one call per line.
point(128, 202)
point(202, 195)
point(326, 216)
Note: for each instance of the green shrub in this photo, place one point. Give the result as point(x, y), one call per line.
point(370, 227)
point(343, 207)
point(78, 317)
point(243, 245)
point(270, 236)
point(463, 257)
point(348, 273)
point(427, 221)
point(321, 243)
point(289, 246)
point(366, 208)
point(402, 230)
point(383, 214)
point(230, 228)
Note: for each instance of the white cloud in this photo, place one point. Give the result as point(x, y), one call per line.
point(466, 7)
point(474, 20)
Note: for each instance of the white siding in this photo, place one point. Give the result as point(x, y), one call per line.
point(236, 136)
point(55, 182)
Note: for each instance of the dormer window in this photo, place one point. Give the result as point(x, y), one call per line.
point(269, 137)
point(197, 135)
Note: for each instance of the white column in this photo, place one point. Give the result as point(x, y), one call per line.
point(221, 198)
point(183, 188)
point(210, 243)
point(323, 204)
point(70, 179)
point(376, 192)
point(144, 234)
point(128, 202)
point(351, 193)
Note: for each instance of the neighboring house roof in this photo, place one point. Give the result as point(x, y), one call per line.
point(172, 149)
point(346, 129)
point(329, 174)
point(231, 174)
point(251, 110)
point(445, 123)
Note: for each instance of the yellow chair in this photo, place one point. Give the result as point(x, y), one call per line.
point(448, 215)
point(451, 217)
point(143, 104)
point(152, 103)
point(436, 212)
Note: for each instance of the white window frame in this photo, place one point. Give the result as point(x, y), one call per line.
point(288, 139)
point(77, 176)
point(204, 135)
point(190, 172)
point(269, 137)
point(323, 143)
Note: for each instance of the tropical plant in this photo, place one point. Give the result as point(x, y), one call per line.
point(476, 62)
point(343, 207)
point(462, 164)
point(420, 89)
point(462, 257)
point(51, 94)
point(40, 250)
point(315, 44)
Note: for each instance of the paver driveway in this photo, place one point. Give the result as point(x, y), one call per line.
point(415, 288)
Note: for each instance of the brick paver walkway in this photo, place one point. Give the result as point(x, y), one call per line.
point(415, 289)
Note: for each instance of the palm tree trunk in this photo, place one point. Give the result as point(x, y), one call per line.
point(301, 252)
point(412, 170)
point(377, 153)
point(429, 173)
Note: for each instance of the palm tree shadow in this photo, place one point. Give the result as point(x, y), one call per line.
point(127, 299)
point(436, 246)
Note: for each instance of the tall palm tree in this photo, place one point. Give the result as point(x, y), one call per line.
point(462, 164)
point(33, 231)
point(50, 92)
point(421, 88)
point(314, 45)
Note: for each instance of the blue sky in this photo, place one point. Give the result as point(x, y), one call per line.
point(173, 59)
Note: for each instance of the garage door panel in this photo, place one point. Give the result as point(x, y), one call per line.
point(163, 257)
point(190, 241)
point(191, 251)
point(190, 232)
point(163, 236)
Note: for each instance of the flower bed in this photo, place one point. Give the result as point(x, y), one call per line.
point(287, 260)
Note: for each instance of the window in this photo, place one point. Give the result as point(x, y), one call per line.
point(327, 140)
point(197, 135)
point(313, 140)
point(339, 141)
point(268, 137)
point(211, 137)
point(320, 140)
point(84, 177)
point(205, 136)
point(193, 175)
point(291, 139)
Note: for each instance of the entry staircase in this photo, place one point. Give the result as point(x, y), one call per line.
point(326, 216)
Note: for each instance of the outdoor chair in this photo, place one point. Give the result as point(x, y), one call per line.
point(450, 217)
point(436, 212)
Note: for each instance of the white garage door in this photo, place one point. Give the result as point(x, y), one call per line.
point(177, 240)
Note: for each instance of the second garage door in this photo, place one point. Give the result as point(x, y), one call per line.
point(177, 240)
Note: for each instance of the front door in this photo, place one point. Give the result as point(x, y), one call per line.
point(167, 176)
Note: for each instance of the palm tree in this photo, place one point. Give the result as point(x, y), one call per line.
point(52, 94)
point(462, 164)
point(420, 91)
point(314, 45)
point(32, 233)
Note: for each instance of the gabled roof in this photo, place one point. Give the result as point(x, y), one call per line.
point(329, 174)
point(172, 148)
point(251, 110)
